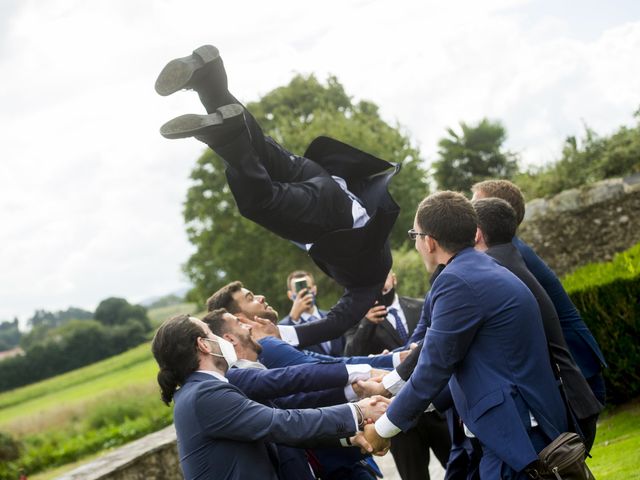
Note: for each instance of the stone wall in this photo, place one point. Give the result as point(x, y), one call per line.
point(154, 457)
point(584, 225)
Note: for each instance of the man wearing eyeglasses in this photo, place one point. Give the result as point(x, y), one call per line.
point(486, 342)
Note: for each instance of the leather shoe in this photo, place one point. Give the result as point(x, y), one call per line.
point(188, 72)
point(219, 127)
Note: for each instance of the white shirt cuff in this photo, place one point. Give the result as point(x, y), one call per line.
point(396, 359)
point(385, 428)
point(392, 382)
point(288, 334)
point(344, 442)
point(356, 372)
point(350, 394)
point(354, 412)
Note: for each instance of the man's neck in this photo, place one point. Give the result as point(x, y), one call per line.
point(209, 365)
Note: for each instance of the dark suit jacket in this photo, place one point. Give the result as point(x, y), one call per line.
point(224, 435)
point(370, 338)
point(337, 344)
point(486, 340)
point(582, 345)
point(579, 395)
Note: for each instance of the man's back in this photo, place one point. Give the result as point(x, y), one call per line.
point(486, 332)
point(582, 344)
point(204, 451)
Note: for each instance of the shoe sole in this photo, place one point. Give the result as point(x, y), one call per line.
point(192, 125)
point(177, 74)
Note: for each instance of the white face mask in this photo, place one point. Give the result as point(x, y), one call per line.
point(226, 347)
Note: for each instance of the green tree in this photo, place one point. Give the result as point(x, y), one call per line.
point(117, 311)
point(473, 155)
point(586, 160)
point(9, 334)
point(229, 247)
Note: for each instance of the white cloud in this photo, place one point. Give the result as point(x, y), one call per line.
point(92, 195)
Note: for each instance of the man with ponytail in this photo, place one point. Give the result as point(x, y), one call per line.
point(221, 433)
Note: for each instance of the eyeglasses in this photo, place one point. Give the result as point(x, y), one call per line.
point(413, 234)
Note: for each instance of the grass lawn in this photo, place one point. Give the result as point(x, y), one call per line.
point(616, 452)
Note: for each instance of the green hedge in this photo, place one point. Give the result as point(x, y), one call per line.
point(608, 297)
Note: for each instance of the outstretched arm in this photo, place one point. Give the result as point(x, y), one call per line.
point(351, 307)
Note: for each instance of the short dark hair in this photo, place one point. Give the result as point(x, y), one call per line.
point(223, 298)
point(449, 218)
point(298, 274)
point(496, 220)
point(215, 321)
point(505, 190)
point(174, 348)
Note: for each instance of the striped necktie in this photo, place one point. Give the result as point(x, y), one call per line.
point(402, 332)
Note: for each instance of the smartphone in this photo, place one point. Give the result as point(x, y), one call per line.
point(299, 284)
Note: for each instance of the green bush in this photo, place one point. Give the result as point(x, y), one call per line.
point(608, 297)
point(413, 278)
point(51, 449)
point(9, 447)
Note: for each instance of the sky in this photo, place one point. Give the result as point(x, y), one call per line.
point(91, 195)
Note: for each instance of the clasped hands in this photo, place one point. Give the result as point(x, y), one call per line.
point(368, 440)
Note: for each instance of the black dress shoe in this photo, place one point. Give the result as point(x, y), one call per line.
point(217, 128)
point(204, 66)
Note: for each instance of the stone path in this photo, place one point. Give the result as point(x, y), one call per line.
point(388, 468)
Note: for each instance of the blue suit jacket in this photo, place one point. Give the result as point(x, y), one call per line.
point(277, 353)
point(308, 385)
point(583, 346)
point(224, 435)
point(486, 340)
point(337, 344)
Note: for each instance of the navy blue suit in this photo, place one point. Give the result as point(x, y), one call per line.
point(486, 340)
point(277, 353)
point(582, 345)
point(337, 344)
point(309, 385)
point(224, 435)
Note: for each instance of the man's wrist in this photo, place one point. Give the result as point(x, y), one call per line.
point(288, 334)
point(360, 371)
point(392, 382)
point(385, 428)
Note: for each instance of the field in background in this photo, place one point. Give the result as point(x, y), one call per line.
point(76, 414)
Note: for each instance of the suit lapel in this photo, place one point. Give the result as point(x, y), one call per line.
point(411, 313)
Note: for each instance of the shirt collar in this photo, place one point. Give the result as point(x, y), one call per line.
point(217, 375)
point(305, 315)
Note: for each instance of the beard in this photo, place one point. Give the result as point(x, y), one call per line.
point(270, 315)
point(250, 344)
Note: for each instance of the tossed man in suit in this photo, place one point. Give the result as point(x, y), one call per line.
point(583, 346)
point(388, 326)
point(486, 342)
point(304, 309)
point(333, 202)
point(221, 433)
point(496, 228)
